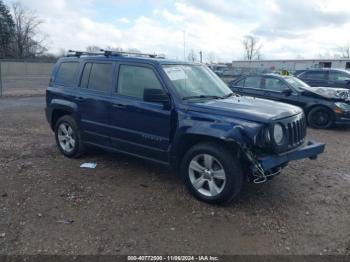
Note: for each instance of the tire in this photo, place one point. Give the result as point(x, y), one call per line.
point(320, 117)
point(68, 137)
point(207, 164)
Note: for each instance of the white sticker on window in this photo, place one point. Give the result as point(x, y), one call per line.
point(175, 73)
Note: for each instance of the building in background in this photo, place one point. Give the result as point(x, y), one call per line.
point(291, 65)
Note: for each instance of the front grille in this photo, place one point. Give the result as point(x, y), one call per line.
point(296, 131)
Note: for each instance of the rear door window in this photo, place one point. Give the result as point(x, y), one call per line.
point(86, 75)
point(66, 73)
point(252, 82)
point(97, 76)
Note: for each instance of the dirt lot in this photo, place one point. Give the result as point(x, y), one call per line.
point(48, 204)
point(33, 85)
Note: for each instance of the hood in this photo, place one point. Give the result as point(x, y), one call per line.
point(248, 108)
point(330, 92)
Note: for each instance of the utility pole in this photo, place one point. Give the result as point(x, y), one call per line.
point(0, 81)
point(184, 36)
point(200, 56)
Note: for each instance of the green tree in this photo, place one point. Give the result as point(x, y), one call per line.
point(6, 30)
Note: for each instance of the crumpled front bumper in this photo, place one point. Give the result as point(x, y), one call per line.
point(310, 150)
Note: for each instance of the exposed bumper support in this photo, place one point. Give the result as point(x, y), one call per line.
point(342, 120)
point(311, 150)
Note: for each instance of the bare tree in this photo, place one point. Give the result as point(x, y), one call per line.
point(93, 49)
point(116, 48)
point(192, 56)
point(6, 30)
point(251, 48)
point(26, 36)
point(211, 58)
point(120, 49)
point(344, 51)
point(62, 52)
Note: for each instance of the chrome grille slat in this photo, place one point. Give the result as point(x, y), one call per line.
point(296, 131)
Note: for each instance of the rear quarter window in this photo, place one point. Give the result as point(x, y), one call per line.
point(66, 73)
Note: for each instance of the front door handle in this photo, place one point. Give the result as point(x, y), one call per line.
point(119, 106)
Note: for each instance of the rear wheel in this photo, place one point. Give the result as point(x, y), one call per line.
point(68, 138)
point(211, 173)
point(320, 117)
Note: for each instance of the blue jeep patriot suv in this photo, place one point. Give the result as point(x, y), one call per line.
point(174, 113)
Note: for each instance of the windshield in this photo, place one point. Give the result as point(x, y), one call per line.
point(196, 81)
point(296, 83)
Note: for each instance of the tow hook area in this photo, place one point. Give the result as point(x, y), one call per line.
point(258, 178)
point(259, 175)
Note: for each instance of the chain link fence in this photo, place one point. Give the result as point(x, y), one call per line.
point(24, 78)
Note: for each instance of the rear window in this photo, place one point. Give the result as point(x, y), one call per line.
point(66, 73)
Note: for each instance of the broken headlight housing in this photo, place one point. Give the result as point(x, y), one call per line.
point(272, 135)
point(342, 106)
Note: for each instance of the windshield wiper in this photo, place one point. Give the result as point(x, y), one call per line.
point(228, 95)
point(201, 96)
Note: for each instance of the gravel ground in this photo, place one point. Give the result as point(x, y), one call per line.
point(49, 205)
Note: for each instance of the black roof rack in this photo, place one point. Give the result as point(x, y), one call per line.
point(80, 53)
point(108, 53)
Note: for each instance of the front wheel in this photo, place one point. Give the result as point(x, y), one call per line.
point(211, 173)
point(320, 117)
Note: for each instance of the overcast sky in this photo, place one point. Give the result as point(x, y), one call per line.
point(286, 29)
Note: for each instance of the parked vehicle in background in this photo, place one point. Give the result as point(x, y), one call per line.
point(218, 68)
point(220, 71)
point(323, 106)
point(325, 77)
point(174, 113)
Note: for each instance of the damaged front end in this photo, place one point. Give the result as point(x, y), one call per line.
point(275, 145)
point(340, 94)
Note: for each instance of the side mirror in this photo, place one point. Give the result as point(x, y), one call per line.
point(155, 96)
point(287, 91)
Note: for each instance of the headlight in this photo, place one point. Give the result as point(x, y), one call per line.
point(278, 134)
point(342, 106)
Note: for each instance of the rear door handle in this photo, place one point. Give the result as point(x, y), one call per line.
point(119, 106)
point(80, 99)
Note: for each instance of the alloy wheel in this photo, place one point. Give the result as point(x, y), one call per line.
point(207, 175)
point(66, 137)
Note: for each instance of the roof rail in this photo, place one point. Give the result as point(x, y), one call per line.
point(108, 53)
point(80, 53)
point(125, 53)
